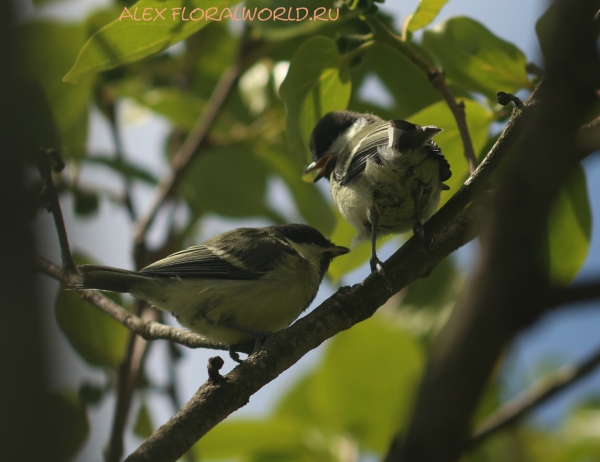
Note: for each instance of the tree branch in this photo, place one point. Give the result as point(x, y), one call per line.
point(149, 330)
point(547, 388)
point(383, 35)
point(508, 276)
point(348, 306)
point(49, 197)
point(188, 152)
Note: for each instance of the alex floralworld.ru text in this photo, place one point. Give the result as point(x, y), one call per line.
point(216, 14)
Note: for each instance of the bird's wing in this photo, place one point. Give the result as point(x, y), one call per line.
point(434, 150)
point(247, 254)
point(368, 150)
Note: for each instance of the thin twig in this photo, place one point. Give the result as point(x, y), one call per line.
point(120, 155)
point(130, 374)
point(149, 330)
point(188, 152)
point(348, 306)
point(382, 34)
point(547, 388)
point(50, 198)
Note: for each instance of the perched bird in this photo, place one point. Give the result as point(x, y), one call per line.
point(239, 285)
point(385, 177)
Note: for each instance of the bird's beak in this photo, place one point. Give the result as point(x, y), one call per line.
point(337, 251)
point(319, 164)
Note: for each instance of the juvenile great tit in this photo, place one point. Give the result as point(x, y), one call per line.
point(239, 285)
point(385, 177)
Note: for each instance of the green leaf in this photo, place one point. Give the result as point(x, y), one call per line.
point(398, 74)
point(70, 426)
point(434, 291)
point(355, 391)
point(473, 57)
point(479, 120)
point(143, 423)
point(569, 229)
point(130, 38)
point(230, 181)
point(125, 168)
point(50, 49)
point(99, 339)
point(313, 86)
point(313, 207)
point(343, 234)
point(240, 439)
point(424, 14)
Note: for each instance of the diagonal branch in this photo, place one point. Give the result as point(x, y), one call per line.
point(382, 34)
point(547, 388)
point(498, 304)
point(149, 330)
point(348, 306)
point(188, 152)
point(49, 197)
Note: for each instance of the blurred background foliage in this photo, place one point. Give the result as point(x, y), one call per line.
point(289, 75)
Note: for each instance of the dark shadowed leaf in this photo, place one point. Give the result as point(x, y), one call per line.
point(70, 426)
point(124, 168)
point(51, 49)
point(473, 57)
point(230, 181)
point(99, 339)
point(143, 423)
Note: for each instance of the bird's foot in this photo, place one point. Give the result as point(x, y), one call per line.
point(260, 339)
point(420, 231)
point(234, 354)
point(376, 266)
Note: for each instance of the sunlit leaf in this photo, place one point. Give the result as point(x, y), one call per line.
point(473, 57)
point(242, 438)
point(424, 14)
point(312, 87)
point(355, 391)
point(479, 120)
point(569, 229)
point(133, 36)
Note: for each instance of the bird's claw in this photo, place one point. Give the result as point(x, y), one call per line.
point(234, 354)
point(377, 267)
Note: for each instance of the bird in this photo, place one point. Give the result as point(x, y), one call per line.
point(242, 284)
point(385, 176)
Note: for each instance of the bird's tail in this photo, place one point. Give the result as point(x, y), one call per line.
point(107, 278)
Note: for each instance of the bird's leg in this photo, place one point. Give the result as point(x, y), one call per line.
point(375, 262)
point(418, 226)
point(259, 335)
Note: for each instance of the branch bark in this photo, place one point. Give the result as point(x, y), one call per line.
point(547, 388)
point(348, 306)
point(382, 34)
point(508, 276)
point(149, 330)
